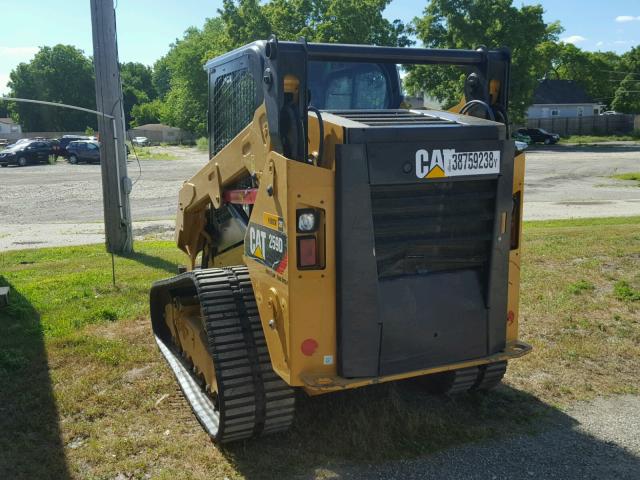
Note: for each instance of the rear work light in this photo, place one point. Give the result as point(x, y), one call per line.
point(307, 220)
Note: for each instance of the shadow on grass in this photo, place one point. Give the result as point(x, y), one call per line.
point(30, 442)
point(153, 262)
point(360, 433)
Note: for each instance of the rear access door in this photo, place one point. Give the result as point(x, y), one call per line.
point(423, 244)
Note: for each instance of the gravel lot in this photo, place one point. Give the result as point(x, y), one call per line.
point(572, 182)
point(49, 205)
point(596, 440)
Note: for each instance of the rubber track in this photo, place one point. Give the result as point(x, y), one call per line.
point(462, 380)
point(252, 399)
point(484, 377)
point(490, 375)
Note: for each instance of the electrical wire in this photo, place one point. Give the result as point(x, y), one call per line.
point(135, 154)
point(471, 103)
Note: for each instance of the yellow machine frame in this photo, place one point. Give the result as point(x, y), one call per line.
point(285, 186)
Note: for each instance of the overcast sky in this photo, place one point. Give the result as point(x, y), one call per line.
point(147, 27)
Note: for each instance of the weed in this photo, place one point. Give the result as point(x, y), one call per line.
point(580, 286)
point(625, 292)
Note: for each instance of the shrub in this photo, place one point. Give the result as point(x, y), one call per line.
point(202, 144)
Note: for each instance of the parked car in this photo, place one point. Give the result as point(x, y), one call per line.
point(60, 150)
point(4, 142)
point(83, 151)
point(539, 135)
point(610, 112)
point(521, 137)
point(521, 146)
point(19, 142)
point(140, 141)
point(24, 153)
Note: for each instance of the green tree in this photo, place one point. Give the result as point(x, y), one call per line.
point(244, 21)
point(335, 21)
point(56, 74)
point(493, 23)
point(137, 86)
point(627, 95)
point(186, 99)
point(182, 84)
point(161, 77)
point(150, 112)
point(594, 71)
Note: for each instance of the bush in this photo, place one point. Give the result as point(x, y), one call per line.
point(202, 144)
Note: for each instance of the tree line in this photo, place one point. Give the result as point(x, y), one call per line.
point(174, 89)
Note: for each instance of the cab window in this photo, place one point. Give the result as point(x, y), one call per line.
point(349, 86)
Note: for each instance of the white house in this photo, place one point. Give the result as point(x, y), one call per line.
point(562, 98)
point(7, 125)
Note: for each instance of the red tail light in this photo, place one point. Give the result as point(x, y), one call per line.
point(307, 251)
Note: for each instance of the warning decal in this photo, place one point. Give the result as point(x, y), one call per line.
point(267, 246)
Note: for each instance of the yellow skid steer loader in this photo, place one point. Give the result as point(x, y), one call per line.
point(336, 240)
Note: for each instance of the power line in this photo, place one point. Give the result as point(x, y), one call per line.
point(55, 104)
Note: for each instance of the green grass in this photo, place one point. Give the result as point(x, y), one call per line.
point(151, 153)
point(628, 176)
point(581, 222)
point(632, 176)
point(82, 379)
point(590, 139)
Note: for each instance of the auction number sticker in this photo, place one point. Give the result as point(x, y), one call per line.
point(445, 162)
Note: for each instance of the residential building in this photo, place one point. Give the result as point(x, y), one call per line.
point(7, 125)
point(562, 98)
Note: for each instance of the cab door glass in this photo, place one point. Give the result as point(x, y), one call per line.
point(349, 85)
point(371, 90)
point(339, 94)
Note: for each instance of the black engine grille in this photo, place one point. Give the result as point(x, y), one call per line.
point(433, 226)
point(384, 118)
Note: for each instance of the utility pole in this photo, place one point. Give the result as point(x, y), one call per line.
point(116, 185)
